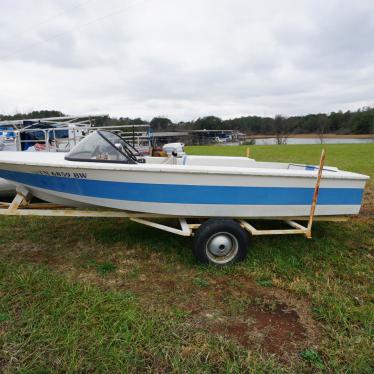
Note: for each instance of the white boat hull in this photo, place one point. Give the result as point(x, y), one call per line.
point(193, 210)
point(7, 188)
point(187, 191)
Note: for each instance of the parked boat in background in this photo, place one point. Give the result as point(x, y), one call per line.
point(7, 137)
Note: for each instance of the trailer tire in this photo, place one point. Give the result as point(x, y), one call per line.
point(220, 242)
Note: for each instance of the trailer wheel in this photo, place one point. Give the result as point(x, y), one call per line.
point(220, 242)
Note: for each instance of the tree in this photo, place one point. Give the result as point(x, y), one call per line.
point(357, 122)
point(208, 123)
point(281, 129)
point(322, 127)
point(33, 114)
point(336, 121)
point(364, 124)
point(161, 123)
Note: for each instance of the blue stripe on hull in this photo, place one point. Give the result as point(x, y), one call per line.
point(188, 194)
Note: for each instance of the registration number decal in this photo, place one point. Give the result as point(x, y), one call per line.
point(63, 174)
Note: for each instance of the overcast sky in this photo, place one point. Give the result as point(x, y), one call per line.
point(186, 58)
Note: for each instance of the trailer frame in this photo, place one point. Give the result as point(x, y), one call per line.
point(20, 206)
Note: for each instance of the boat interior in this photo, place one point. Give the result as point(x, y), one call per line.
point(106, 146)
point(225, 161)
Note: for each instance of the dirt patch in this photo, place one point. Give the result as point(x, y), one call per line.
point(279, 331)
point(232, 329)
point(272, 320)
point(301, 307)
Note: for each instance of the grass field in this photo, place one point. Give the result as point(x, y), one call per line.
point(108, 295)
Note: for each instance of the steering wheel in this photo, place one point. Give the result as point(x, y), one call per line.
point(132, 152)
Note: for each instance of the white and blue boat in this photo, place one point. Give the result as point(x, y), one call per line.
point(103, 170)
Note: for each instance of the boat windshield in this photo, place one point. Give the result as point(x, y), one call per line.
point(104, 146)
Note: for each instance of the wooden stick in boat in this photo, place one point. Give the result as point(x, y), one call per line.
point(315, 196)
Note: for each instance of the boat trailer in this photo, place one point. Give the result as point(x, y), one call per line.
point(217, 240)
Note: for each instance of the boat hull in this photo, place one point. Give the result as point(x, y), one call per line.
point(188, 194)
point(7, 188)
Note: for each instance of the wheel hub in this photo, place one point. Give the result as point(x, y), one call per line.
point(220, 245)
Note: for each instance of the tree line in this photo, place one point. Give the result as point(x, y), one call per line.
point(349, 122)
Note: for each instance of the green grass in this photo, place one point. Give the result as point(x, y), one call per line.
point(109, 295)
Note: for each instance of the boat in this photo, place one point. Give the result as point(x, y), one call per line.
point(7, 138)
point(104, 170)
point(7, 188)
